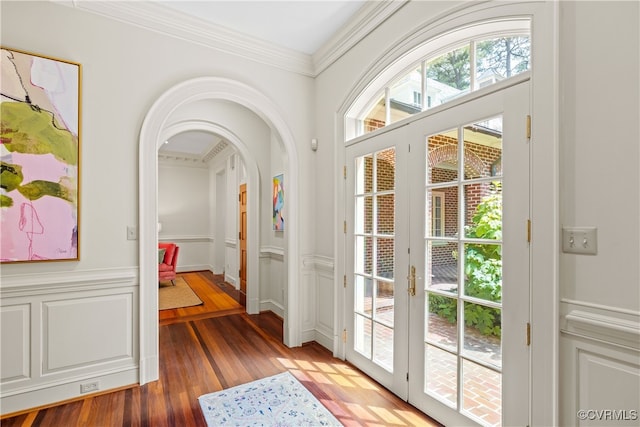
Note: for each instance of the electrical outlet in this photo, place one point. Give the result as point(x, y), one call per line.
point(132, 233)
point(89, 387)
point(580, 240)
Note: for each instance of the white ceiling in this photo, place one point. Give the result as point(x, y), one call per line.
point(302, 25)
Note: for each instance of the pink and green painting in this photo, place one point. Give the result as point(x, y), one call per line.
point(39, 157)
point(278, 202)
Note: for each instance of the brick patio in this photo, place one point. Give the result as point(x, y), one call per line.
point(482, 387)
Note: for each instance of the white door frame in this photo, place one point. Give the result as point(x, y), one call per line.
point(154, 131)
point(544, 180)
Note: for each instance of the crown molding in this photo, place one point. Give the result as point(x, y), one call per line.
point(367, 19)
point(164, 20)
point(215, 150)
point(181, 159)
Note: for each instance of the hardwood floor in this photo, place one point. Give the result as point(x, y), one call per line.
point(204, 351)
point(219, 299)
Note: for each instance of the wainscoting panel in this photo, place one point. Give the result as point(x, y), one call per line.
point(324, 297)
point(231, 262)
point(62, 331)
point(317, 292)
point(599, 365)
point(78, 334)
point(16, 342)
point(272, 280)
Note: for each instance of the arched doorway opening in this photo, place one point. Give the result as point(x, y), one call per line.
point(156, 128)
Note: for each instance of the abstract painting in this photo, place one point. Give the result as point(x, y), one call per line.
point(278, 202)
point(40, 157)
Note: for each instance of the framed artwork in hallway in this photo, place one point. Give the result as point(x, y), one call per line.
point(40, 157)
point(278, 202)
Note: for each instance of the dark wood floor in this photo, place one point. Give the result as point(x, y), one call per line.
point(202, 352)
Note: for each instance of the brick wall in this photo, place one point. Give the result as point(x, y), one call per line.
point(441, 150)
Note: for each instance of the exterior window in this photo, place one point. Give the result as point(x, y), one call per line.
point(437, 214)
point(417, 98)
point(437, 78)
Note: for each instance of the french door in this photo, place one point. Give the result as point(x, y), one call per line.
point(437, 262)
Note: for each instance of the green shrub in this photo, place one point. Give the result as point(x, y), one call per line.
point(483, 269)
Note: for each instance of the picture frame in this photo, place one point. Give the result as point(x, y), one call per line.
point(40, 106)
point(278, 202)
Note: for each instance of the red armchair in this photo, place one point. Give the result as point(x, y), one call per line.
point(167, 268)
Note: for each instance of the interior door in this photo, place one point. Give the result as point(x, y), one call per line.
point(242, 238)
point(458, 293)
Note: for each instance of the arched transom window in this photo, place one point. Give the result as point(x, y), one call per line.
point(442, 69)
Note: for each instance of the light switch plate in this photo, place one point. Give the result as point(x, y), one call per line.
point(580, 240)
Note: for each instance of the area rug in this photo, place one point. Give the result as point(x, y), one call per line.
point(180, 295)
point(280, 400)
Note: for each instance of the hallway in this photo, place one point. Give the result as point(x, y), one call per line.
point(202, 352)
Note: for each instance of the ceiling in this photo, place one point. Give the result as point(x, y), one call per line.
point(302, 25)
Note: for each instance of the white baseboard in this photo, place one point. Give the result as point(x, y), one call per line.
point(318, 336)
point(273, 306)
point(42, 396)
point(195, 267)
point(230, 280)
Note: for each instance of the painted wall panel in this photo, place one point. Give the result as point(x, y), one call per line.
point(83, 331)
point(600, 383)
point(15, 351)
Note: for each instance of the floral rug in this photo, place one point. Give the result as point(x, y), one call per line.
point(280, 400)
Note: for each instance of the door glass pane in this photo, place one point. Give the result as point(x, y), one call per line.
point(375, 118)
point(386, 170)
point(384, 302)
point(406, 96)
point(448, 76)
point(482, 396)
point(483, 210)
point(362, 335)
point(501, 58)
point(441, 374)
point(483, 148)
point(364, 174)
point(482, 334)
point(364, 215)
point(385, 207)
point(364, 255)
point(483, 271)
point(442, 157)
point(363, 295)
point(385, 258)
point(442, 267)
point(442, 212)
point(442, 322)
point(383, 346)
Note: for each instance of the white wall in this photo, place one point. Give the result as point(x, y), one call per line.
point(599, 186)
point(184, 212)
point(218, 203)
point(125, 69)
point(273, 269)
